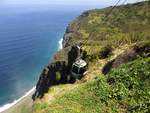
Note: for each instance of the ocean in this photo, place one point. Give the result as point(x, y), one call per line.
point(29, 37)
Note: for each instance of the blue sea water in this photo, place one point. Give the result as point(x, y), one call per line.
point(28, 39)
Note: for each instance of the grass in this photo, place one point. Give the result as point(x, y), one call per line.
point(125, 89)
point(126, 25)
point(129, 85)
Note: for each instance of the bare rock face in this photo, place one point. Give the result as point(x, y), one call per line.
point(72, 34)
point(56, 73)
point(66, 39)
point(127, 56)
point(85, 14)
point(67, 36)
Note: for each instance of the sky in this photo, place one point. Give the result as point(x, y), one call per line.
point(63, 2)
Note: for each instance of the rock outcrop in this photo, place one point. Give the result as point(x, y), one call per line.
point(89, 31)
point(129, 55)
point(67, 37)
point(56, 73)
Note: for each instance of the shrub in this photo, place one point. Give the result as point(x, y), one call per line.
point(105, 52)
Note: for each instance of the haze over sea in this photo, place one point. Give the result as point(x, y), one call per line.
point(29, 38)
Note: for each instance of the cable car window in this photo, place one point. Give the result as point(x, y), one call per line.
point(75, 69)
point(82, 70)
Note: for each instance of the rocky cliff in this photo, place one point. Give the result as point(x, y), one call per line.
point(106, 43)
point(96, 36)
point(57, 72)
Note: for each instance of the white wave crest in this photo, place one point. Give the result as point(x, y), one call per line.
point(7, 106)
point(60, 44)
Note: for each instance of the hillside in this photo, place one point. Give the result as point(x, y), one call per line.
point(125, 25)
point(122, 90)
point(117, 50)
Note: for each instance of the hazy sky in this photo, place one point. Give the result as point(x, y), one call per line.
point(63, 2)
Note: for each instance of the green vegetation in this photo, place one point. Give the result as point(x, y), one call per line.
point(38, 106)
point(125, 89)
point(105, 51)
point(125, 25)
point(130, 86)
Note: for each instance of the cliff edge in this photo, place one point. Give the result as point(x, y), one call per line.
point(117, 50)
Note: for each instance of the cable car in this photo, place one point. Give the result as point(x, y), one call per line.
point(79, 68)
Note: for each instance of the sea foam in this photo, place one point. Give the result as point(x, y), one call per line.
point(9, 105)
point(60, 44)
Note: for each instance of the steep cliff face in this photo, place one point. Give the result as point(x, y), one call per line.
point(107, 46)
point(125, 25)
point(57, 72)
point(94, 32)
point(54, 73)
point(72, 34)
point(67, 36)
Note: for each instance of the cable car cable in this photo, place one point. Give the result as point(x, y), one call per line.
point(80, 59)
point(112, 9)
point(104, 19)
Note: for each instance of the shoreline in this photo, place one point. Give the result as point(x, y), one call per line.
point(10, 107)
point(60, 45)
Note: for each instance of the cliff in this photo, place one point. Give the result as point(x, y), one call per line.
point(109, 45)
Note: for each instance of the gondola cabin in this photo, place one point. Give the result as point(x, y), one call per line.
point(79, 68)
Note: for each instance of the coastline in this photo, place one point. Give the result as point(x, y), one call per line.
point(60, 46)
point(9, 106)
point(27, 98)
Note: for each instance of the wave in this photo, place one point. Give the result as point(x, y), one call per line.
point(60, 44)
point(9, 105)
